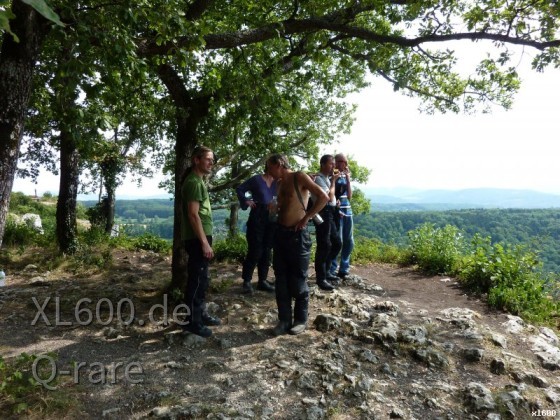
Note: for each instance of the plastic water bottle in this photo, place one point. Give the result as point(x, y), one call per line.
point(2, 278)
point(273, 210)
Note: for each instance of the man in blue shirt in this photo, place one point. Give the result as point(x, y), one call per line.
point(343, 194)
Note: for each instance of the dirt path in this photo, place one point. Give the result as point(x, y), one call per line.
point(241, 371)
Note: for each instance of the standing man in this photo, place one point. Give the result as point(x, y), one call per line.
point(260, 230)
point(196, 233)
point(343, 194)
point(292, 243)
point(328, 237)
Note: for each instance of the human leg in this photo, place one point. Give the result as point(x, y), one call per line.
point(266, 255)
point(334, 255)
point(322, 252)
point(300, 254)
point(336, 245)
point(347, 228)
point(197, 285)
point(283, 298)
point(253, 251)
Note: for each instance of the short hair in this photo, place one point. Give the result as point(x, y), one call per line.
point(325, 159)
point(279, 158)
point(200, 151)
point(340, 155)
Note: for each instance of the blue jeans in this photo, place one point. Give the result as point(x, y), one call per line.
point(290, 262)
point(347, 238)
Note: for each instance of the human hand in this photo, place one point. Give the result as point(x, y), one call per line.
point(207, 251)
point(302, 224)
point(251, 203)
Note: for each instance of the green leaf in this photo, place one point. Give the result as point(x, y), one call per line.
point(45, 10)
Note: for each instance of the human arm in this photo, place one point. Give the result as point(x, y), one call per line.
point(241, 192)
point(193, 208)
point(348, 184)
point(332, 187)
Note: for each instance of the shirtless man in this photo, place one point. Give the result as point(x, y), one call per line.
point(292, 243)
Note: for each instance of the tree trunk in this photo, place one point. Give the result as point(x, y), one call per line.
point(111, 198)
point(189, 111)
point(17, 63)
point(66, 225)
point(233, 218)
point(184, 146)
point(234, 207)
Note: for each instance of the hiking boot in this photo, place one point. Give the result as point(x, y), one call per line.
point(281, 328)
point(198, 329)
point(334, 280)
point(211, 321)
point(325, 285)
point(298, 328)
point(247, 288)
point(342, 275)
point(265, 286)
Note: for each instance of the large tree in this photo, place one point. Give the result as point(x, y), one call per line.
point(199, 43)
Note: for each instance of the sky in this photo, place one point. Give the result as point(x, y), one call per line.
point(514, 149)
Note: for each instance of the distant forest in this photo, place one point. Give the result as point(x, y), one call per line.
point(538, 229)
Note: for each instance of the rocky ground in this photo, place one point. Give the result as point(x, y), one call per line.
point(388, 343)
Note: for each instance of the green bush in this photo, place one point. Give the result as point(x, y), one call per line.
point(19, 234)
point(435, 250)
point(150, 242)
point(367, 250)
point(232, 248)
point(19, 390)
point(95, 235)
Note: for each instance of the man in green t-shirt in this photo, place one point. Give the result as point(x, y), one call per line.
point(196, 234)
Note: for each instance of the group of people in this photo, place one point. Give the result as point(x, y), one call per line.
point(282, 203)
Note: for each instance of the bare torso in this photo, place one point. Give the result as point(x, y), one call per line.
point(291, 210)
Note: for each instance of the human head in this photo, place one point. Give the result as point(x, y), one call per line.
point(202, 160)
point(327, 164)
point(276, 163)
point(340, 161)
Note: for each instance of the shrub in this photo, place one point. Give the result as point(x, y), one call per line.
point(232, 248)
point(511, 277)
point(20, 392)
point(367, 250)
point(151, 242)
point(435, 250)
point(19, 234)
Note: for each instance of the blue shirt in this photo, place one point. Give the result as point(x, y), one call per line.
point(341, 193)
point(259, 191)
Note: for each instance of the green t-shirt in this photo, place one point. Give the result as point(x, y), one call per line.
point(194, 189)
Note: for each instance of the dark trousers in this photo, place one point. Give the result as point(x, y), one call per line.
point(290, 261)
point(198, 280)
point(328, 242)
point(260, 235)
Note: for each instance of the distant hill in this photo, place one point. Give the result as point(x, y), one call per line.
point(407, 199)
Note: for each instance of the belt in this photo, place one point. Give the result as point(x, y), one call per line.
point(283, 228)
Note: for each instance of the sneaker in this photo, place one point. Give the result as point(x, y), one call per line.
point(298, 328)
point(247, 288)
point(281, 328)
point(325, 285)
point(342, 275)
point(211, 321)
point(199, 330)
point(265, 286)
